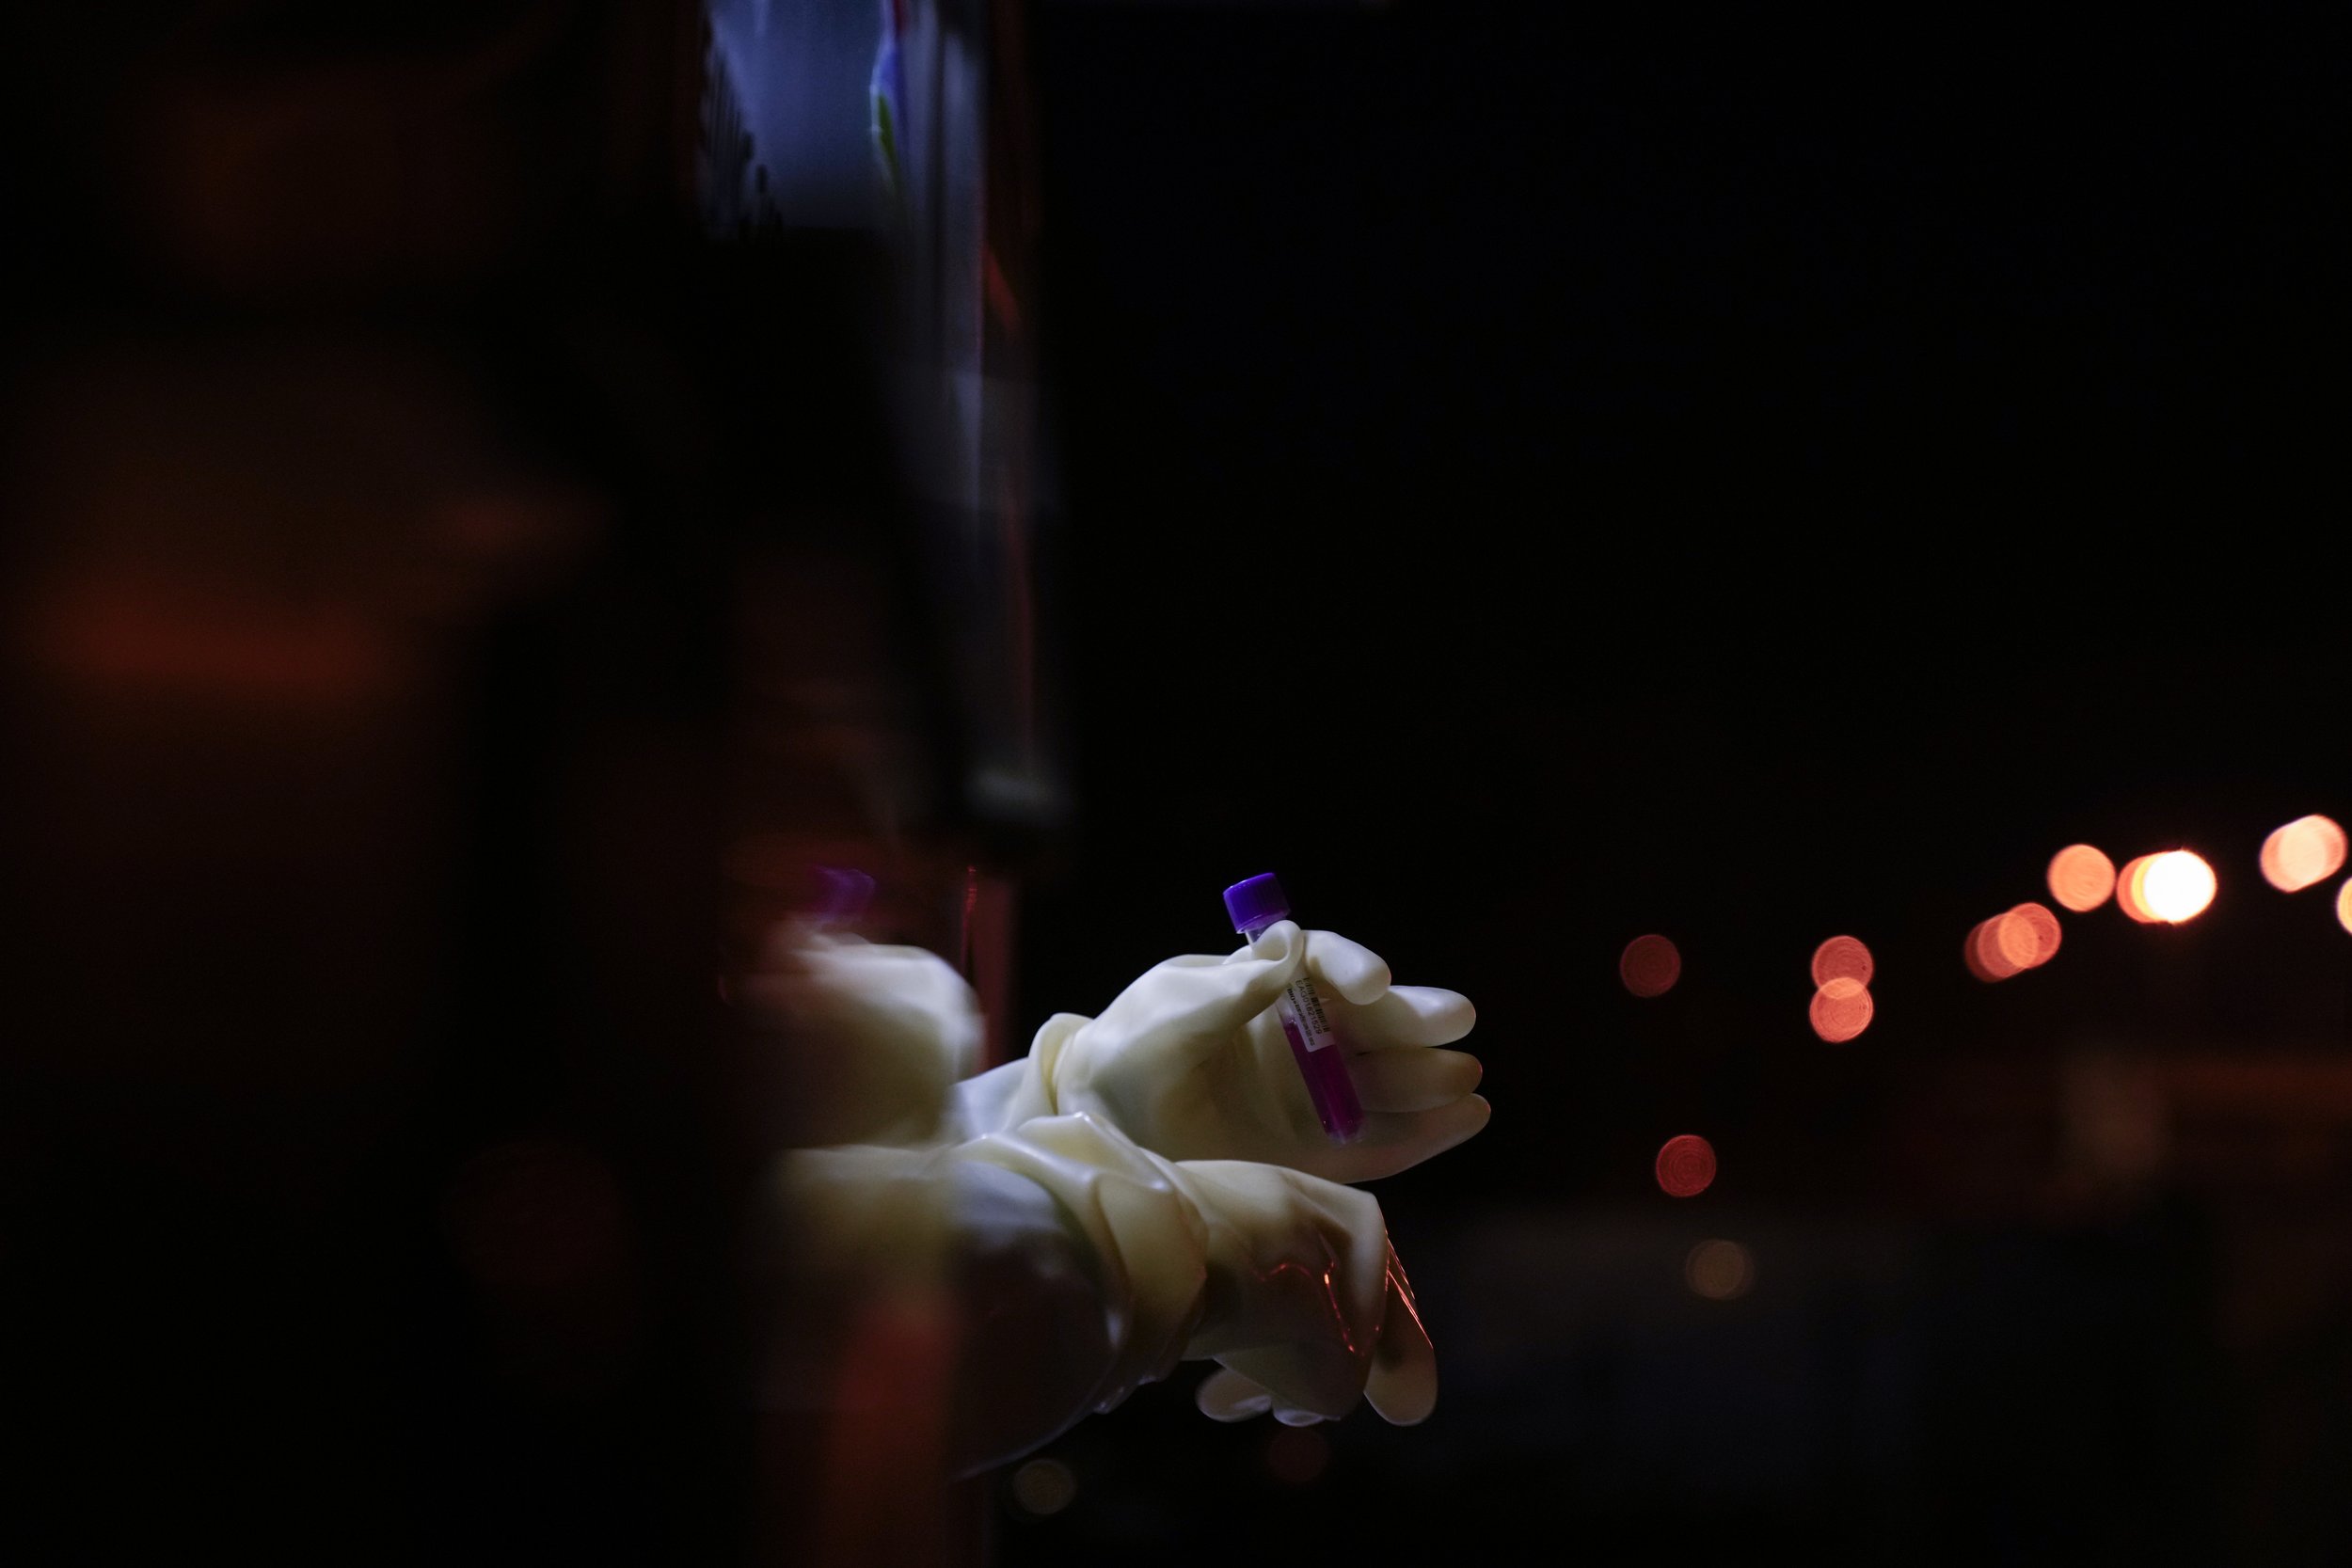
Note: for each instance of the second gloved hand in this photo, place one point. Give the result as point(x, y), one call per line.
point(1190, 1061)
point(1287, 1280)
point(1071, 1267)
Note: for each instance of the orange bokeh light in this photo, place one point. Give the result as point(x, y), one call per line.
point(1649, 966)
point(1843, 958)
point(1686, 1165)
point(1982, 952)
point(1718, 1270)
point(2177, 886)
point(2019, 944)
point(1842, 1009)
point(2343, 905)
point(2081, 878)
point(1043, 1488)
point(2028, 935)
point(2009, 944)
point(2304, 853)
point(2130, 890)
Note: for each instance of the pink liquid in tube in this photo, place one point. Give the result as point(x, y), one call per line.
point(1254, 905)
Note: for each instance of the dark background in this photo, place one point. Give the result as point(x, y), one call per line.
point(1538, 475)
point(1531, 476)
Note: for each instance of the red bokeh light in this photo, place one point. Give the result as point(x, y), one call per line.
point(1843, 958)
point(1983, 954)
point(1649, 966)
point(1686, 1165)
point(1297, 1455)
point(1841, 1010)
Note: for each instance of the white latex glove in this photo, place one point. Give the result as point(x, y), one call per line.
point(1286, 1279)
point(1190, 1062)
point(889, 1031)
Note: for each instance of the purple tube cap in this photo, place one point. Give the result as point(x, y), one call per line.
point(1256, 902)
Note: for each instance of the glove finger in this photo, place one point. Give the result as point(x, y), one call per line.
point(1409, 1078)
point(1402, 1386)
point(1409, 1015)
point(1225, 1394)
point(1352, 970)
point(1308, 1377)
point(1207, 999)
point(1395, 1141)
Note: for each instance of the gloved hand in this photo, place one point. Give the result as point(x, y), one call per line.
point(1286, 1279)
point(1191, 1063)
point(889, 1031)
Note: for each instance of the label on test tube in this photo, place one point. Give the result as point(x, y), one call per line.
point(1303, 1019)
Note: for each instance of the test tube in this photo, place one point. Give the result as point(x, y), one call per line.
point(1254, 905)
